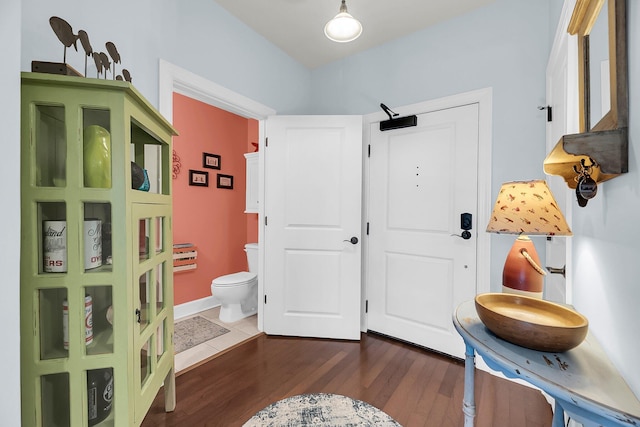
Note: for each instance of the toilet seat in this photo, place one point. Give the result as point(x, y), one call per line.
point(235, 279)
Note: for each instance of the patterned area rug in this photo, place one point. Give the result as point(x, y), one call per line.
point(193, 331)
point(320, 410)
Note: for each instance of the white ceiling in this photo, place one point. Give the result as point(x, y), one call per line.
point(297, 26)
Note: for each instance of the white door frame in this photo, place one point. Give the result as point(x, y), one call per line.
point(566, 45)
point(175, 79)
point(483, 97)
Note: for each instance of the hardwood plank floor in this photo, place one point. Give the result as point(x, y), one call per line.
point(414, 386)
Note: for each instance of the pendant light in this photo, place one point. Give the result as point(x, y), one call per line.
point(343, 27)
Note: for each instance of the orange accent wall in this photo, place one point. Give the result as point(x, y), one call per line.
point(211, 218)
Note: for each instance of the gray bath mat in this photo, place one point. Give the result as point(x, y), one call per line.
point(196, 330)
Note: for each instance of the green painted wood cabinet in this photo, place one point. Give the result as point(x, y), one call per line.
point(96, 254)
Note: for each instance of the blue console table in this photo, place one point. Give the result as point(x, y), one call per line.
point(584, 383)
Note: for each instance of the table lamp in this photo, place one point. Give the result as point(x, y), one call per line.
point(526, 208)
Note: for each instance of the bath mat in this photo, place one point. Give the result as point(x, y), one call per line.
point(320, 409)
point(193, 331)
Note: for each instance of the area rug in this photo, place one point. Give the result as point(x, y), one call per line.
point(193, 331)
point(320, 409)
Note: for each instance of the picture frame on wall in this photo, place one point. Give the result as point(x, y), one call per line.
point(225, 181)
point(211, 161)
point(198, 178)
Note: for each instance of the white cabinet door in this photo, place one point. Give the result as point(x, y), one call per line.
point(252, 182)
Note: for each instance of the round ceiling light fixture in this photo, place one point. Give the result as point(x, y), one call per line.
point(343, 27)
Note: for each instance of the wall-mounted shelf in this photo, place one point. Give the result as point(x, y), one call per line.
point(602, 55)
point(608, 149)
point(185, 257)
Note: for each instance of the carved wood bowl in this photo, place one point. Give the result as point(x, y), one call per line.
point(531, 322)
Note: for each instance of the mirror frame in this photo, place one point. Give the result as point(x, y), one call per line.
point(606, 144)
point(582, 20)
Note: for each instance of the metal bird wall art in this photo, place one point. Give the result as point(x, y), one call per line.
point(115, 56)
point(126, 75)
point(64, 32)
point(88, 50)
point(105, 63)
point(98, 61)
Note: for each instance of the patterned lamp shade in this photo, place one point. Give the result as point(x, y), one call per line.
point(527, 207)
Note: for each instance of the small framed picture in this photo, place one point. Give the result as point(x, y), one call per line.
point(225, 181)
point(211, 161)
point(199, 178)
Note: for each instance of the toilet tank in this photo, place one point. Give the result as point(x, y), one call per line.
point(252, 256)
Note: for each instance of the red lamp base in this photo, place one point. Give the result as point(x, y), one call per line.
point(522, 273)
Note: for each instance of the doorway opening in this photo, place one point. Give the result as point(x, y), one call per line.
point(174, 79)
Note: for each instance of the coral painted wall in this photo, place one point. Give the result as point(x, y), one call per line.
point(211, 218)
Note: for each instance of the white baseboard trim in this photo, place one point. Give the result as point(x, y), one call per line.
point(192, 307)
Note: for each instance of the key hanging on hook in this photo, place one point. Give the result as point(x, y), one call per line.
point(586, 187)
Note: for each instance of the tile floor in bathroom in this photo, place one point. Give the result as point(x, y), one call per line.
point(238, 332)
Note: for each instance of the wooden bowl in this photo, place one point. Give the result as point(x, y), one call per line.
point(531, 322)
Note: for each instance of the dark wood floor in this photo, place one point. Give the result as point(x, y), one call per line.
point(414, 386)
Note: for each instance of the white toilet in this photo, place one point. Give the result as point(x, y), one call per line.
point(238, 292)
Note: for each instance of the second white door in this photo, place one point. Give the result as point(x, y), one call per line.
point(313, 181)
point(422, 179)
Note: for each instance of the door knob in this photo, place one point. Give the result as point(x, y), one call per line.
point(466, 235)
point(554, 270)
point(353, 240)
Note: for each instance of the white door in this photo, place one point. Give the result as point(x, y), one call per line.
point(562, 62)
point(313, 186)
point(421, 180)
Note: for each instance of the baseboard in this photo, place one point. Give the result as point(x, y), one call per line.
point(192, 307)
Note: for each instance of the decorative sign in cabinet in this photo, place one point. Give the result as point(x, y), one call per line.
point(252, 182)
point(96, 253)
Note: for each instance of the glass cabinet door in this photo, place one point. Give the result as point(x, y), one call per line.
point(153, 274)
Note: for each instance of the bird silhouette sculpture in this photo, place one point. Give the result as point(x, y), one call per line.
point(65, 34)
point(126, 75)
point(88, 50)
point(98, 62)
point(105, 63)
point(115, 56)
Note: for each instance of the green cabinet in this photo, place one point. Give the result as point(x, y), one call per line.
point(96, 254)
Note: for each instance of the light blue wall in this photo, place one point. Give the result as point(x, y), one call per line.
point(504, 46)
point(198, 36)
point(606, 242)
point(10, 213)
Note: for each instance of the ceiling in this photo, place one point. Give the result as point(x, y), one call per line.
point(297, 26)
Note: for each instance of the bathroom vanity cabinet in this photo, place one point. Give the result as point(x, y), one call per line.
point(96, 254)
point(252, 182)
